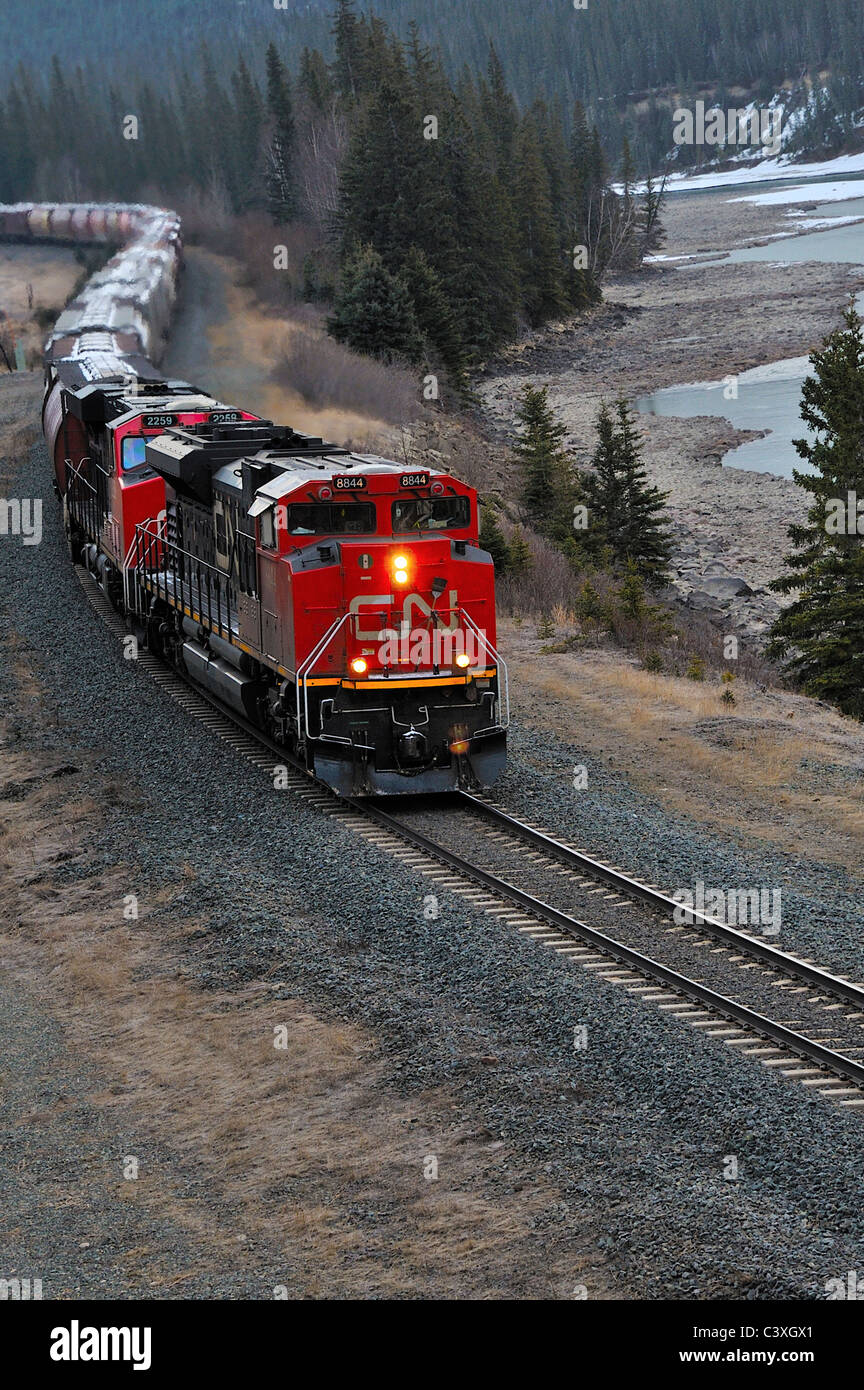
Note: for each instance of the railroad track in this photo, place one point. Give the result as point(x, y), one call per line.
point(812, 998)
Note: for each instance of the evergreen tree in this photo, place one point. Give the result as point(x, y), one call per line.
point(281, 190)
point(348, 68)
point(482, 272)
point(541, 263)
point(628, 168)
point(653, 233)
point(242, 149)
point(580, 141)
point(314, 80)
point(430, 84)
point(521, 557)
point(626, 513)
point(435, 317)
point(547, 488)
point(820, 636)
point(499, 110)
point(373, 312)
point(382, 177)
point(581, 287)
point(631, 594)
point(383, 58)
point(493, 540)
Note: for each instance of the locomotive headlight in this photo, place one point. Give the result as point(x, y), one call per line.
point(463, 660)
point(359, 666)
point(400, 569)
point(400, 576)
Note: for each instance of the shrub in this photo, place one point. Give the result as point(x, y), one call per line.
point(325, 373)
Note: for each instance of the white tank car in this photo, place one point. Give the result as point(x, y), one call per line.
point(116, 325)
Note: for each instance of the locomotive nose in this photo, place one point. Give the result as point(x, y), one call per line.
point(413, 747)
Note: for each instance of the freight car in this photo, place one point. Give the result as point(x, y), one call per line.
point(339, 601)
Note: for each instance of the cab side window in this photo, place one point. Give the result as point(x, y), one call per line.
point(133, 451)
point(267, 529)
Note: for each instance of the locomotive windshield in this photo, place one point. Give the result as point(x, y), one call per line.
point(330, 518)
point(431, 513)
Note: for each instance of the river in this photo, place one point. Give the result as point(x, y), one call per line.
point(768, 397)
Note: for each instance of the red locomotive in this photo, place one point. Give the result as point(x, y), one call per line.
point(339, 601)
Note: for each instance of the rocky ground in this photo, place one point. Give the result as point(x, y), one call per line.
point(672, 325)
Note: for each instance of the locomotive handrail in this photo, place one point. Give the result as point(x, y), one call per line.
point(87, 498)
point(130, 561)
point(502, 666)
point(305, 666)
point(159, 539)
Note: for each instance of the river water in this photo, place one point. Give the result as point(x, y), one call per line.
point(768, 398)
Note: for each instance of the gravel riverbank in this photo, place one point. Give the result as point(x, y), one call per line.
point(670, 325)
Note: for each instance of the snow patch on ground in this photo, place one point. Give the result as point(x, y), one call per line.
point(766, 170)
point(826, 193)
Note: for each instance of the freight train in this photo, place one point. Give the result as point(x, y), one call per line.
point(339, 601)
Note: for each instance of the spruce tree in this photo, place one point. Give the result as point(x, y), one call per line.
point(348, 68)
point(653, 233)
point(436, 318)
point(626, 514)
point(499, 110)
point(373, 312)
point(580, 284)
point(244, 152)
point(521, 557)
point(382, 176)
point(482, 275)
point(541, 263)
point(281, 190)
point(547, 487)
point(820, 636)
point(493, 540)
point(314, 80)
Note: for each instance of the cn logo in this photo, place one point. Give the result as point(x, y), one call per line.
point(413, 601)
point(410, 604)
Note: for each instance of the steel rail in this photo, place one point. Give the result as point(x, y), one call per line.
point(778, 1032)
point(770, 955)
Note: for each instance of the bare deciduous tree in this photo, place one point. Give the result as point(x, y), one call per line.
point(323, 138)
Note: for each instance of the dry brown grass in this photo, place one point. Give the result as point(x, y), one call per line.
point(324, 373)
point(747, 767)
